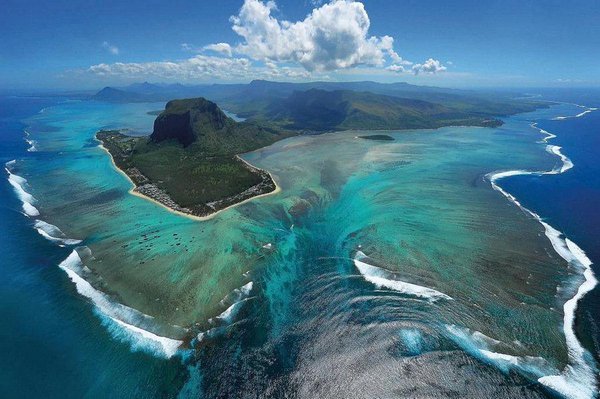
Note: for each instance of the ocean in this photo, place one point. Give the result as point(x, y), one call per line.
point(416, 267)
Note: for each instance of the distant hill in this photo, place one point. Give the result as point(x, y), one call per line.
point(110, 94)
point(251, 100)
point(257, 90)
point(321, 110)
point(322, 106)
point(146, 92)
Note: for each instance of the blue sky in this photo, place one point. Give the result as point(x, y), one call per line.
point(88, 44)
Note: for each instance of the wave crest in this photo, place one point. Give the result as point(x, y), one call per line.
point(128, 319)
point(384, 279)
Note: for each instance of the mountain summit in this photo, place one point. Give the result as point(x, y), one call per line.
point(185, 120)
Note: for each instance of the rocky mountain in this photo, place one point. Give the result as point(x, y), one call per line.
point(185, 120)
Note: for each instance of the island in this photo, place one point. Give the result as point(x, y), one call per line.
point(190, 162)
point(377, 137)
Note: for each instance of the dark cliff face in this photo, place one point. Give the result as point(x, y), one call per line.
point(185, 120)
point(173, 126)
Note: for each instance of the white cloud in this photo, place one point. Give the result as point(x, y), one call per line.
point(333, 36)
point(196, 67)
point(187, 47)
point(430, 66)
point(199, 67)
point(396, 68)
point(222, 48)
point(110, 48)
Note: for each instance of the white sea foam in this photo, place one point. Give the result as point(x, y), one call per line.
point(237, 298)
point(246, 288)
point(141, 339)
point(384, 279)
point(53, 233)
point(120, 315)
point(566, 162)
point(579, 115)
point(584, 112)
point(18, 184)
point(229, 314)
point(578, 379)
point(483, 347)
point(31, 142)
point(549, 136)
point(32, 147)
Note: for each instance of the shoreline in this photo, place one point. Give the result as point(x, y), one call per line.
point(189, 215)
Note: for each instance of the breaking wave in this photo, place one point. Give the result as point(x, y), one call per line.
point(18, 183)
point(54, 234)
point(124, 323)
point(385, 279)
point(236, 298)
point(31, 142)
point(579, 115)
point(489, 349)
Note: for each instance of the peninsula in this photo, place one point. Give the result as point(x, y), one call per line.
point(190, 162)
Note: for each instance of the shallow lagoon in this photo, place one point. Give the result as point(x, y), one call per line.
point(419, 207)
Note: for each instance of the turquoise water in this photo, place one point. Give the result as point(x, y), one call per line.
point(380, 269)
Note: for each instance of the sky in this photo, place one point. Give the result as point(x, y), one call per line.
point(81, 44)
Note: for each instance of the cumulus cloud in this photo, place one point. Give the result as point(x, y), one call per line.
point(333, 36)
point(196, 68)
point(110, 48)
point(222, 48)
point(396, 68)
point(199, 66)
point(430, 66)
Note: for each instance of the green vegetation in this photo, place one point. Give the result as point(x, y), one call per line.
point(189, 163)
point(321, 110)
